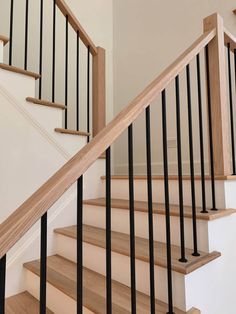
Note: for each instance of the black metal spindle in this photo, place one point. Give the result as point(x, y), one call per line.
point(26, 33)
point(43, 264)
point(201, 137)
point(80, 245)
point(132, 220)
point(41, 49)
point(191, 155)
point(77, 82)
point(150, 211)
point(54, 51)
point(2, 284)
point(167, 205)
point(88, 93)
point(66, 71)
point(231, 110)
point(11, 31)
point(211, 144)
point(180, 172)
point(108, 232)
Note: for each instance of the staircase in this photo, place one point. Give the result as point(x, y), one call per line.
point(89, 241)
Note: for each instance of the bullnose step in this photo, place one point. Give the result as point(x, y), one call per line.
point(71, 132)
point(47, 103)
point(172, 177)
point(120, 244)
point(142, 206)
point(14, 69)
point(61, 273)
point(23, 303)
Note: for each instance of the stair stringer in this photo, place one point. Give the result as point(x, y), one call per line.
point(31, 155)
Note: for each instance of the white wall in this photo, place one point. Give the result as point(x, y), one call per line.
point(97, 19)
point(148, 36)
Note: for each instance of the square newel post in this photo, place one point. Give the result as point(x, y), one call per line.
point(99, 91)
point(218, 87)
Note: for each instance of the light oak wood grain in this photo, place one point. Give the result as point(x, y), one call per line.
point(18, 70)
point(17, 224)
point(120, 244)
point(23, 303)
point(142, 206)
point(66, 11)
point(62, 275)
point(218, 94)
point(72, 132)
point(47, 103)
point(172, 177)
point(99, 91)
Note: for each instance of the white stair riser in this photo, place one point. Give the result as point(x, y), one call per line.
point(95, 259)
point(57, 301)
point(120, 189)
point(22, 86)
point(95, 216)
point(19, 85)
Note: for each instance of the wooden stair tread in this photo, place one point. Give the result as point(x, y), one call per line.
point(23, 303)
point(45, 103)
point(18, 70)
point(120, 244)
point(160, 208)
point(171, 177)
point(72, 132)
point(4, 39)
point(61, 273)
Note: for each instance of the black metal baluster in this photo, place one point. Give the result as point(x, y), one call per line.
point(167, 205)
point(11, 31)
point(66, 72)
point(80, 245)
point(77, 83)
point(43, 264)
point(41, 49)
point(190, 128)
point(88, 93)
point(180, 173)
point(26, 32)
point(108, 232)
point(54, 51)
point(2, 284)
point(150, 211)
point(132, 220)
point(201, 138)
point(231, 110)
point(212, 170)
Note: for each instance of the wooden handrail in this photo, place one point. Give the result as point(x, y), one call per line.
point(66, 11)
point(229, 38)
point(16, 225)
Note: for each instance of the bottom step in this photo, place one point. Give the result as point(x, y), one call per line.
point(23, 303)
point(61, 274)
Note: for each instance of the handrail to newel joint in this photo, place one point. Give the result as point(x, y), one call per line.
point(229, 39)
point(66, 11)
point(99, 69)
point(15, 226)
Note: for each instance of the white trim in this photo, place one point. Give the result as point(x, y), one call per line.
point(34, 123)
